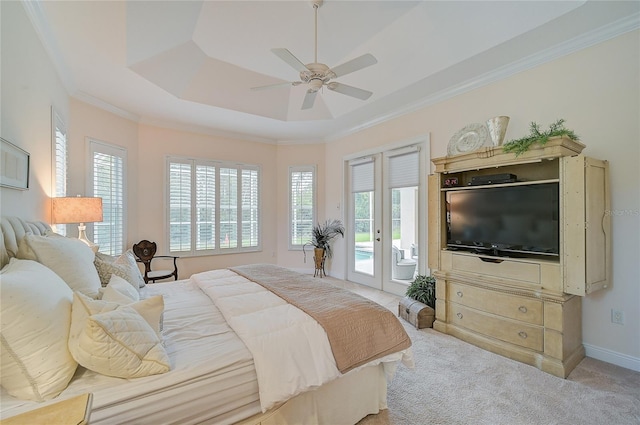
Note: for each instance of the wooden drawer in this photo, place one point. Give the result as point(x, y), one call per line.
point(511, 306)
point(507, 330)
point(507, 268)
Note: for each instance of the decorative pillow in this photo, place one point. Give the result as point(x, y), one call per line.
point(35, 316)
point(120, 291)
point(69, 258)
point(124, 266)
point(128, 259)
point(117, 340)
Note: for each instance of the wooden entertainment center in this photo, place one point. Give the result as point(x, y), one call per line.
point(529, 307)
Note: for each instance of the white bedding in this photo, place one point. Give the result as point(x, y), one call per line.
point(277, 333)
point(212, 377)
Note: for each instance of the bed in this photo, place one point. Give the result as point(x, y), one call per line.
point(237, 351)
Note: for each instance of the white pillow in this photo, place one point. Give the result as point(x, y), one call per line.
point(120, 291)
point(124, 266)
point(35, 316)
point(117, 340)
point(69, 258)
point(129, 259)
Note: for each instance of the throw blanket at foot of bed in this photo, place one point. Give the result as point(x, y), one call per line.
point(358, 329)
point(292, 352)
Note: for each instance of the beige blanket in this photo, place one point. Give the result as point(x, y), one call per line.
point(358, 329)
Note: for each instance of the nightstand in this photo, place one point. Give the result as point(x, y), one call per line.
point(72, 411)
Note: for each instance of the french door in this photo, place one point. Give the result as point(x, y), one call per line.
point(386, 223)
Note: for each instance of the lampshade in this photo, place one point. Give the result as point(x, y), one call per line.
point(76, 209)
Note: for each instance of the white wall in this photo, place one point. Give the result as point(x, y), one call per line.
point(597, 91)
point(29, 88)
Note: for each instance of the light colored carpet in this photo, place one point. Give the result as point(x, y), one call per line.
point(457, 383)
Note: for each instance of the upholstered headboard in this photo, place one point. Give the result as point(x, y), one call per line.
point(13, 230)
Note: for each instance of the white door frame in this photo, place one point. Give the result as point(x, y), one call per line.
point(381, 278)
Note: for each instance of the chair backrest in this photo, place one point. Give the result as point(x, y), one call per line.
point(397, 256)
point(145, 250)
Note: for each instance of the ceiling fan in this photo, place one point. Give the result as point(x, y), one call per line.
point(317, 75)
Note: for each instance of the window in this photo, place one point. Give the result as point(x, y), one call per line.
point(214, 206)
point(60, 160)
point(107, 179)
point(302, 204)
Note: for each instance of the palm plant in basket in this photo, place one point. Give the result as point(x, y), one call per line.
point(321, 237)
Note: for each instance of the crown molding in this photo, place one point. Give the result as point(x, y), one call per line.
point(190, 128)
point(99, 103)
point(588, 39)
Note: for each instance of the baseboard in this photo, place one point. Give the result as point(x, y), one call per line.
point(618, 359)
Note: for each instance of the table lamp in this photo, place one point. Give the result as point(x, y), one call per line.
point(77, 209)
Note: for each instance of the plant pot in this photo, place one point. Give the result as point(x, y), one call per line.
point(318, 258)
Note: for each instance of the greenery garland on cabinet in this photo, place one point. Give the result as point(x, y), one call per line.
point(556, 129)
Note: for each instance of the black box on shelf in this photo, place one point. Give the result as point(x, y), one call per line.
point(493, 179)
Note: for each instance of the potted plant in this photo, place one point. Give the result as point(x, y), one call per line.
point(423, 289)
point(321, 237)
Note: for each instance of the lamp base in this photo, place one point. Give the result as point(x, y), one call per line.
point(82, 235)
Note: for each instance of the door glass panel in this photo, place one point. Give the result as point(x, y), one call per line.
point(363, 232)
point(404, 231)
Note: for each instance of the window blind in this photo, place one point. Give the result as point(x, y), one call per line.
point(205, 207)
point(213, 206)
point(301, 204)
point(179, 206)
point(108, 172)
point(60, 165)
point(362, 178)
point(250, 208)
point(404, 169)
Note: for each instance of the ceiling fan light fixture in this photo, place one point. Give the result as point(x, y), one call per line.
point(316, 75)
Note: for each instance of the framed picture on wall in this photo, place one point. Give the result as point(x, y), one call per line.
point(14, 166)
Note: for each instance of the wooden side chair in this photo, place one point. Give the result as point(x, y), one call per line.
point(145, 252)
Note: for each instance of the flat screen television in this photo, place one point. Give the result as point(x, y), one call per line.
point(505, 221)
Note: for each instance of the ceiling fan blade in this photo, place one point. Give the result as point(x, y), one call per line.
point(288, 57)
point(309, 99)
point(273, 86)
point(350, 90)
point(354, 65)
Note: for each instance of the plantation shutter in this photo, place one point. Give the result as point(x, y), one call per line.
point(301, 204)
point(180, 206)
point(205, 207)
point(108, 177)
point(228, 207)
point(61, 163)
point(250, 208)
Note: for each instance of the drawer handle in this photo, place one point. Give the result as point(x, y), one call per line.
point(522, 334)
point(522, 309)
point(491, 260)
point(459, 293)
point(459, 315)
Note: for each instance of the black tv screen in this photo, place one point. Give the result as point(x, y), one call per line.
point(502, 220)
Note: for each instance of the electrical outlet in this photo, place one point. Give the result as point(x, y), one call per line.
point(617, 316)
